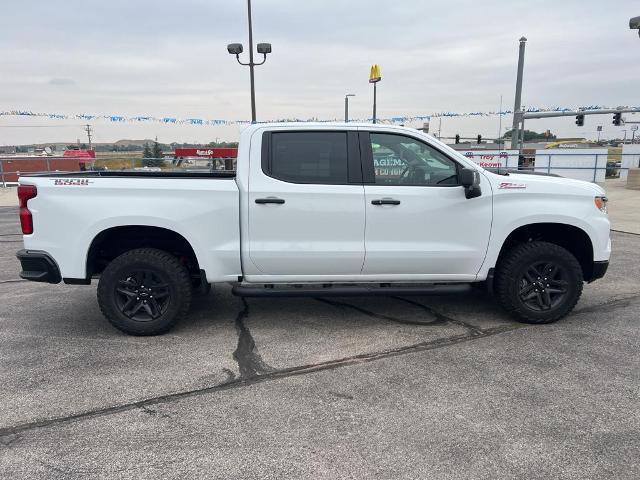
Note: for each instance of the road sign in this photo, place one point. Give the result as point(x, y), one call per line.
point(599, 128)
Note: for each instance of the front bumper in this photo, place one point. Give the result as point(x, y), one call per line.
point(38, 266)
point(598, 270)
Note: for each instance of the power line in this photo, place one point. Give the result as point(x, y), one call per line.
point(42, 126)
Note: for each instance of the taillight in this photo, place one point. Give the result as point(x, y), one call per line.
point(25, 193)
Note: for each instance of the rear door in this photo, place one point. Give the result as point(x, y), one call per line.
point(419, 224)
point(306, 205)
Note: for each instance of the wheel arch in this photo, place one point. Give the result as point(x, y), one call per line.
point(113, 241)
point(570, 237)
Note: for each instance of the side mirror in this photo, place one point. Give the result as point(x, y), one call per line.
point(470, 180)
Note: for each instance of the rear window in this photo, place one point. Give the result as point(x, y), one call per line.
point(309, 157)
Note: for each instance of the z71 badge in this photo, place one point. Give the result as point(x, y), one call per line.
point(71, 181)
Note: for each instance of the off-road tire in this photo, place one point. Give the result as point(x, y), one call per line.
point(162, 266)
point(509, 277)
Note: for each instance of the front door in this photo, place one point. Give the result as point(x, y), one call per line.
point(306, 206)
point(419, 225)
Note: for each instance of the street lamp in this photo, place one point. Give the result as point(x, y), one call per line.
point(263, 48)
point(346, 106)
point(634, 24)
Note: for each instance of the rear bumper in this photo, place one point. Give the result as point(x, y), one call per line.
point(598, 270)
point(38, 266)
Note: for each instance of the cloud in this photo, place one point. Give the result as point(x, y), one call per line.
point(161, 57)
point(62, 81)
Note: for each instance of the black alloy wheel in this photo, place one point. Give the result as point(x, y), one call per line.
point(144, 291)
point(543, 286)
point(538, 282)
point(143, 295)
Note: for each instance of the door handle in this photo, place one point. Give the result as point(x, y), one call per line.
point(385, 201)
point(275, 200)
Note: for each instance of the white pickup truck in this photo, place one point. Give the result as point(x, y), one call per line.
point(320, 210)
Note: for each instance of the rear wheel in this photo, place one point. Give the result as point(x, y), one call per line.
point(144, 291)
point(538, 282)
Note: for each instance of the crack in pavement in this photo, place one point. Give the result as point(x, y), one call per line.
point(246, 354)
point(369, 313)
point(266, 377)
point(229, 374)
point(616, 303)
point(627, 233)
point(18, 280)
point(440, 319)
point(472, 328)
point(11, 435)
point(9, 439)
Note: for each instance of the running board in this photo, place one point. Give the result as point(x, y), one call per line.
point(271, 290)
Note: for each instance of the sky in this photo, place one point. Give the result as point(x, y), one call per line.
point(169, 58)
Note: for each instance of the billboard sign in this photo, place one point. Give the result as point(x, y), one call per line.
point(207, 152)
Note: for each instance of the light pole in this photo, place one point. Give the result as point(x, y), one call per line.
point(517, 114)
point(263, 48)
point(346, 106)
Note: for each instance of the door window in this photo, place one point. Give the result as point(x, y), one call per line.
point(401, 160)
point(309, 157)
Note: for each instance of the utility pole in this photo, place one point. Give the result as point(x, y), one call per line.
point(517, 114)
point(500, 125)
point(88, 130)
point(439, 126)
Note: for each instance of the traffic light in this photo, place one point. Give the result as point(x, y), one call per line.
point(479, 138)
point(580, 120)
point(617, 119)
point(457, 138)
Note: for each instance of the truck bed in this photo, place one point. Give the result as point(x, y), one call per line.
point(72, 208)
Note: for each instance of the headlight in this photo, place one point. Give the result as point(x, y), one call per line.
point(601, 203)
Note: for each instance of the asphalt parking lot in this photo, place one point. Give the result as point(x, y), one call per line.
point(406, 387)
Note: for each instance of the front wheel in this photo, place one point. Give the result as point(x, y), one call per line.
point(144, 291)
point(538, 282)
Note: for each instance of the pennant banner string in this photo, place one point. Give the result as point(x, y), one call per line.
point(396, 120)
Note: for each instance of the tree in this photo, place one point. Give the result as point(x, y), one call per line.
point(146, 153)
point(223, 144)
point(152, 156)
point(157, 150)
point(531, 135)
